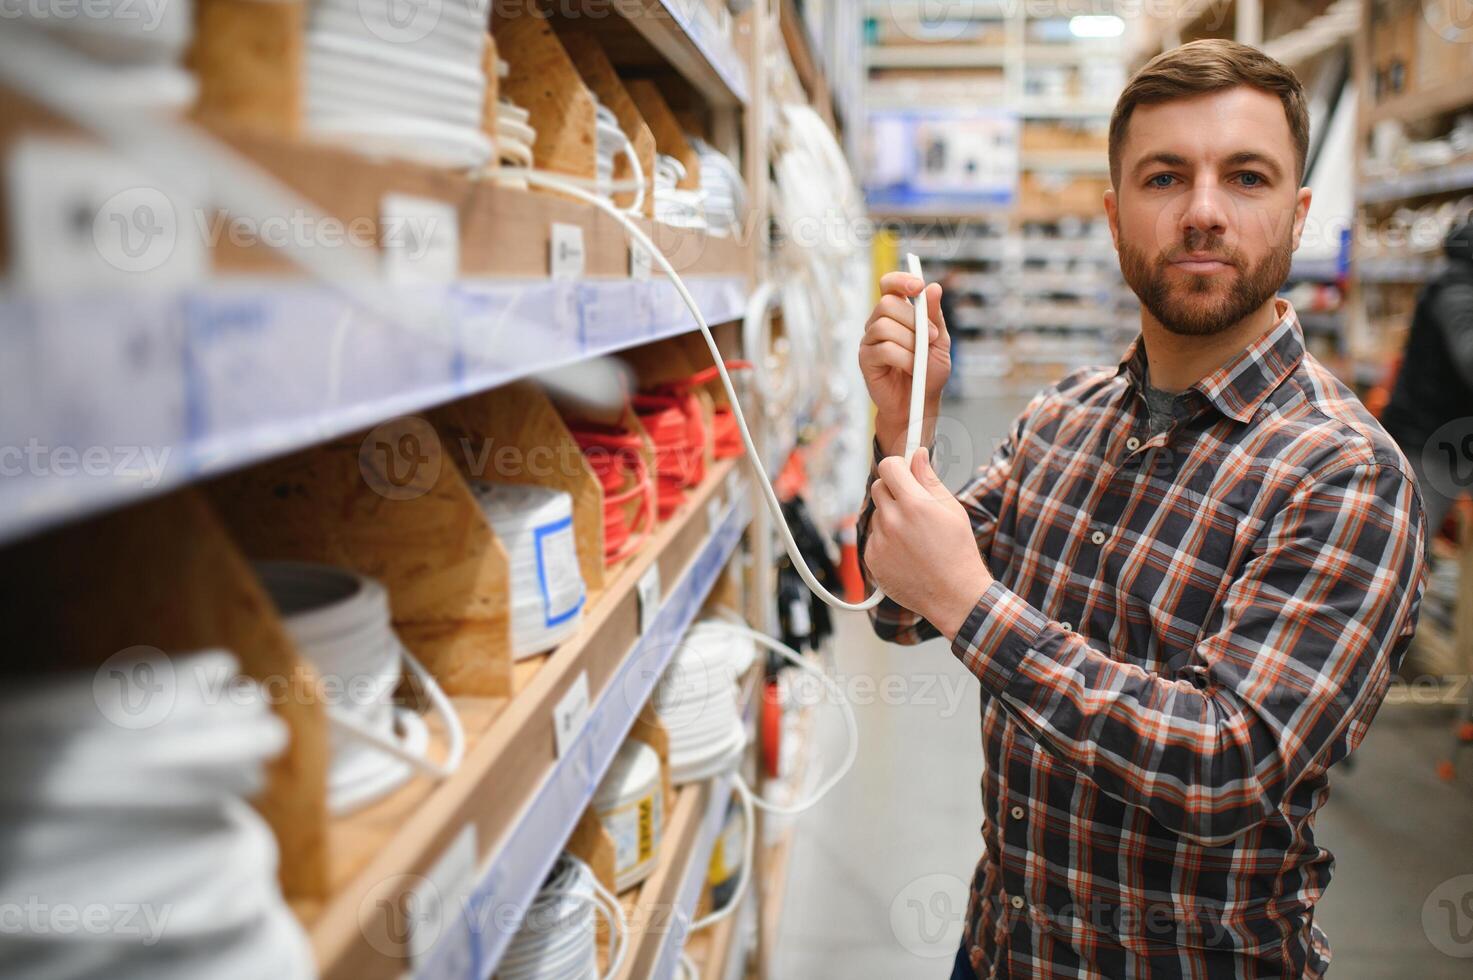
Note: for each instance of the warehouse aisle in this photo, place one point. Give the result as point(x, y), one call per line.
point(877, 883)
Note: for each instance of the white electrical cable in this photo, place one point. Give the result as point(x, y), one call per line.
point(547, 593)
point(774, 506)
point(125, 789)
point(340, 622)
point(732, 623)
point(557, 938)
point(696, 701)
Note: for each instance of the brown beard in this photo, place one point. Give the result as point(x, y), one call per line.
point(1248, 291)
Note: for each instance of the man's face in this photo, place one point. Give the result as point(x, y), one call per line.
point(1208, 208)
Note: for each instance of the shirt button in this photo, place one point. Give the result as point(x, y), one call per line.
point(1017, 813)
point(1097, 538)
point(1067, 627)
point(1016, 901)
point(1132, 444)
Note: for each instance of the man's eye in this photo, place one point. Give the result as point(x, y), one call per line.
point(1251, 179)
point(1160, 180)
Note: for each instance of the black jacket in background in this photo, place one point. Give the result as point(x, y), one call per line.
point(1435, 384)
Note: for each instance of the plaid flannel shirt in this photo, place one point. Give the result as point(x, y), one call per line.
point(1186, 631)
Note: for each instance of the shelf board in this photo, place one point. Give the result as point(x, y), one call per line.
point(1416, 106)
point(1392, 269)
point(1085, 161)
point(522, 799)
point(165, 384)
point(706, 59)
point(1434, 180)
point(935, 56)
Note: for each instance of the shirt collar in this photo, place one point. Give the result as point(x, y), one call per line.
point(1238, 387)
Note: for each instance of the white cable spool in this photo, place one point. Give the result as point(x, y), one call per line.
point(96, 812)
point(340, 622)
point(557, 939)
point(630, 804)
point(535, 524)
point(725, 191)
point(378, 89)
point(696, 701)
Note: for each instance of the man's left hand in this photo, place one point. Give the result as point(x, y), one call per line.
point(920, 547)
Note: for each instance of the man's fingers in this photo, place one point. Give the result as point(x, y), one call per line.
point(895, 308)
point(895, 471)
point(887, 355)
point(881, 494)
point(940, 336)
point(887, 329)
point(900, 284)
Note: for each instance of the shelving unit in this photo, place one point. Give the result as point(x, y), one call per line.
point(260, 387)
point(1007, 257)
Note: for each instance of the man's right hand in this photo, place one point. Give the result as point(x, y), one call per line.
point(887, 356)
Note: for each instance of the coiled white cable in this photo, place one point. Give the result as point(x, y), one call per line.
point(547, 593)
point(732, 622)
point(125, 789)
point(340, 623)
point(774, 506)
point(554, 940)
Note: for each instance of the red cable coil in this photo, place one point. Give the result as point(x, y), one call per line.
point(673, 420)
point(726, 438)
point(613, 453)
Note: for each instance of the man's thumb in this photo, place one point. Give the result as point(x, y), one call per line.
point(920, 466)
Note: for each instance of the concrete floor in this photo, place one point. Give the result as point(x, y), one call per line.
point(877, 882)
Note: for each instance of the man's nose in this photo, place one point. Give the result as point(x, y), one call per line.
point(1206, 211)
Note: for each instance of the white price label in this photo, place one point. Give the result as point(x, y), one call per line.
point(432, 908)
point(567, 257)
point(714, 508)
point(734, 484)
point(81, 217)
point(420, 239)
point(641, 264)
point(571, 713)
point(649, 598)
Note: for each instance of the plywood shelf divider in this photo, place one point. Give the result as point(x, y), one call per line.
point(545, 82)
point(599, 74)
point(165, 574)
point(389, 504)
point(250, 59)
point(669, 136)
point(513, 434)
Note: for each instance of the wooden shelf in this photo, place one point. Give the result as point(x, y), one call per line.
point(256, 362)
point(1419, 105)
point(520, 799)
point(708, 61)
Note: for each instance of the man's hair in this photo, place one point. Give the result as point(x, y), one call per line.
point(1210, 65)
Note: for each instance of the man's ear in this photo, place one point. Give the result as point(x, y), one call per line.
point(1301, 212)
point(1112, 214)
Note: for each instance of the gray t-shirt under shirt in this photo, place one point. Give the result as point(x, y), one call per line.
point(1158, 407)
